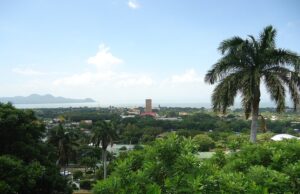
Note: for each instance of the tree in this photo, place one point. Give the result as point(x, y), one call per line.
point(245, 64)
point(170, 165)
point(166, 166)
point(27, 164)
point(103, 134)
point(65, 142)
point(203, 142)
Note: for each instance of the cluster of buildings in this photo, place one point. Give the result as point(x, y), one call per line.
point(150, 111)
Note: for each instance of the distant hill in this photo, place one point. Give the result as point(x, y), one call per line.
point(42, 99)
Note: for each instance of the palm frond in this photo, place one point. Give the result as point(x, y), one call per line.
point(283, 57)
point(276, 89)
point(103, 134)
point(254, 42)
point(267, 38)
point(231, 44)
point(225, 92)
point(227, 65)
point(291, 81)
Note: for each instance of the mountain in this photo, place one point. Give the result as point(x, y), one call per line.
point(42, 99)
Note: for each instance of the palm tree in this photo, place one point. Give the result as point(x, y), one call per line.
point(244, 65)
point(65, 142)
point(103, 134)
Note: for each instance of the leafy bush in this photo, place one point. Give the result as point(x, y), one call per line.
point(77, 174)
point(138, 147)
point(86, 184)
point(169, 166)
point(270, 180)
point(203, 142)
point(235, 141)
point(123, 148)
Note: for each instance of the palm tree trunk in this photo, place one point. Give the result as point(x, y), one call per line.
point(104, 163)
point(254, 123)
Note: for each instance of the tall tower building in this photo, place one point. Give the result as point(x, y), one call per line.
point(148, 107)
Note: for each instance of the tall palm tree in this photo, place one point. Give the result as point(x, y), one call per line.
point(65, 141)
point(244, 65)
point(103, 134)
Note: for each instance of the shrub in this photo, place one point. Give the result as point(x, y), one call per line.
point(138, 147)
point(86, 184)
point(123, 148)
point(203, 142)
point(77, 174)
point(293, 170)
point(169, 166)
point(235, 142)
point(270, 180)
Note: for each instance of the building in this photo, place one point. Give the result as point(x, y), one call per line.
point(148, 107)
point(134, 111)
point(183, 113)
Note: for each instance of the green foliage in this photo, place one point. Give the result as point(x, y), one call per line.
point(27, 165)
point(235, 141)
point(169, 166)
point(20, 133)
point(263, 137)
point(244, 65)
point(123, 148)
point(89, 162)
point(157, 168)
point(268, 179)
point(103, 133)
point(293, 170)
point(16, 176)
point(203, 142)
point(86, 184)
point(78, 174)
point(138, 147)
point(65, 142)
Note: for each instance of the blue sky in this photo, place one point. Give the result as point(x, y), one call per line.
point(123, 51)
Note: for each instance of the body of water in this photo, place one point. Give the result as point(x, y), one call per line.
point(97, 104)
point(132, 105)
point(58, 105)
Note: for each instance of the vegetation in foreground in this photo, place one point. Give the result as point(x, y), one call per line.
point(171, 165)
point(27, 164)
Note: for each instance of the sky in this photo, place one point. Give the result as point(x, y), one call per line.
point(124, 51)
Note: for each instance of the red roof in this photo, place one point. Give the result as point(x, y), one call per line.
point(152, 114)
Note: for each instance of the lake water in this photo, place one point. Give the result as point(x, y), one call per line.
point(132, 105)
point(97, 104)
point(58, 105)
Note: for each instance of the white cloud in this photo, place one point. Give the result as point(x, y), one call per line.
point(105, 78)
point(186, 79)
point(104, 59)
point(75, 80)
point(132, 4)
point(27, 71)
point(189, 76)
point(105, 74)
point(106, 82)
point(128, 80)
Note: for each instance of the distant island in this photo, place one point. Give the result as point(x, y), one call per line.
point(42, 99)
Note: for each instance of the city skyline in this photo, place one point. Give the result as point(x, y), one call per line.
point(119, 51)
